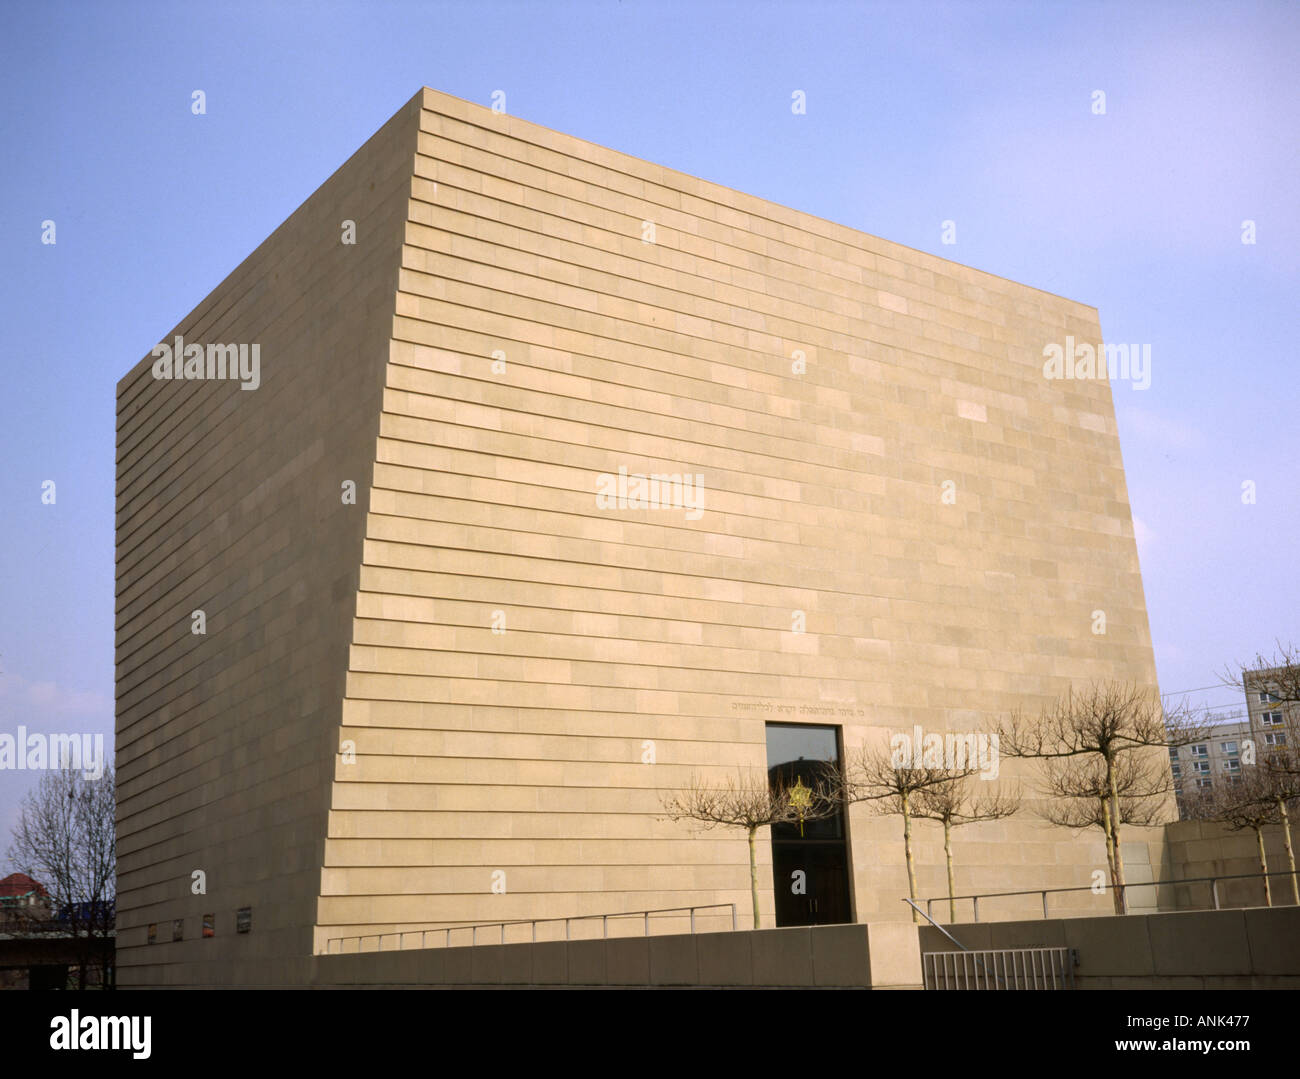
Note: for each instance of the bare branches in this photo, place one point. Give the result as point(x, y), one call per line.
point(1080, 792)
point(1247, 803)
point(66, 838)
point(894, 783)
point(1278, 673)
point(1251, 802)
point(1105, 728)
point(753, 800)
point(951, 802)
point(1105, 719)
point(876, 775)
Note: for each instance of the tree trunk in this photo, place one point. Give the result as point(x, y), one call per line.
point(1121, 900)
point(907, 850)
point(1290, 850)
point(753, 876)
point(1110, 852)
point(1263, 865)
point(947, 853)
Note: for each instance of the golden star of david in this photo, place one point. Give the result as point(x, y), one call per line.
point(800, 799)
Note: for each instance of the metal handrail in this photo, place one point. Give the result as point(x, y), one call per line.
point(937, 926)
point(534, 922)
point(945, 932)
point(1045, 892)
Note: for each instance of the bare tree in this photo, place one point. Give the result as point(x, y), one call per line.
point(1275, 776)
point(1247, 803)
point(754, 800)
point(1105, 722)
point(951, 803)
point(1080, 795)
point(1279, 673)
point(66, 838)
point(878, 776)
point(1268, 789)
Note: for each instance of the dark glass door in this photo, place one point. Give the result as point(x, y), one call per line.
point(810, 861)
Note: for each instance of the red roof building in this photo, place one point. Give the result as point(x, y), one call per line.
point(17, 885)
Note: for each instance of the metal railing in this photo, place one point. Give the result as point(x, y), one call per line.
point(1036, 968)
point(423, 934)
point(1045, 892)
point(911, 903)
point(1002, 968)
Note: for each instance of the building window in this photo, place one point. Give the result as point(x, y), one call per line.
point(1265, 697)
point(1232, 766)
point(1204, 783)
point(1173, 753)
point(1200, 751)
point(1271, 719)
point(1177, 770)
point(1275, 738)
point(1201, 767)
point(1229, 749)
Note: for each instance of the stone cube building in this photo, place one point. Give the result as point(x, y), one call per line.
point(410, 636)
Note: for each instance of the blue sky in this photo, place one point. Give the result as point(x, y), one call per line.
point(916, 114)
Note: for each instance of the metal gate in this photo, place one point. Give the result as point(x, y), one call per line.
point(1006, 968)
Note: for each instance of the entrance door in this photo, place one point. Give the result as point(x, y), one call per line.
point(810, 861)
